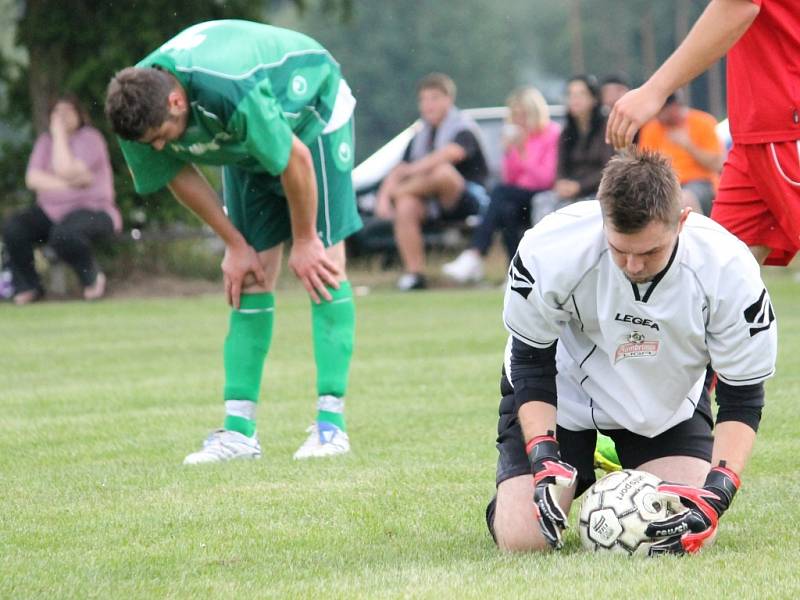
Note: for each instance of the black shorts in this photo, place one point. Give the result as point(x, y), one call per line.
point(690, 438)
point(472, 202)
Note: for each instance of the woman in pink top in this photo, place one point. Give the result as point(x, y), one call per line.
point(70, 172)
point(529, 166)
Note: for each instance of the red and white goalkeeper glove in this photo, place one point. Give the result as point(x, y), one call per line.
point(549, 474)
point(689, 530)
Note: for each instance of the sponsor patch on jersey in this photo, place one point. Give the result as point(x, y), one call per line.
point(636, 347)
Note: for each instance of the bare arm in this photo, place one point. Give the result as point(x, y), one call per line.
point(299, 183)
point(308, 259)
point(733, 443)
point(722, 23)
point(193, 191)
point(708, 160)
point(383, 202)
point(65, 164)
point(536, 418)
point(451, 153)
point(37, 180)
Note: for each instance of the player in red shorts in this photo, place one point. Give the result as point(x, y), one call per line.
point(759, 192)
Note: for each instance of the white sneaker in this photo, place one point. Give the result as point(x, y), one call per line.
point(223, 445)
point(467, 268)
point(411, 281)
point(327, 440)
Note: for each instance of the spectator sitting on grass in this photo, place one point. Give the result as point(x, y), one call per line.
point(441, 164)
point(529, 165)
point(70, 172)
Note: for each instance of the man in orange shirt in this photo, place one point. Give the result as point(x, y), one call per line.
point(688, 137)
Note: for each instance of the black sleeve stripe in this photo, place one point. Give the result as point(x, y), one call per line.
point(756, 379)
point(588, 355)
point(526, 339)
point(577, 312)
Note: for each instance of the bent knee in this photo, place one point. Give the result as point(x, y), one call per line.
point(515, 541)
point(513, 520)
point(408, 208)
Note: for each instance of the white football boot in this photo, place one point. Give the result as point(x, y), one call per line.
point(467, 268)
point(223, 445)
point(323, 440)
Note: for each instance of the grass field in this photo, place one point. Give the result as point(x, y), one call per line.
point(99, 404)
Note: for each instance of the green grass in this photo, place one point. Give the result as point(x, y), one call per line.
point(100, 403)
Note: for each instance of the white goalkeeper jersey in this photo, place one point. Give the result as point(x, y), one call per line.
point(634, 356)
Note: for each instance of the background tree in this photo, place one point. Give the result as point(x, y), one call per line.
point(78, 45)
point(489, 48)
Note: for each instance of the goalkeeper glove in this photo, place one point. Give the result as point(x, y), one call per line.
point(549, 474)
point(687, 531)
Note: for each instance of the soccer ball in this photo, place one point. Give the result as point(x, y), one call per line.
point(616, 510)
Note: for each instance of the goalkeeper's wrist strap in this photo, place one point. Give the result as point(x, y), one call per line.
point(541, 447)
point(724, 483)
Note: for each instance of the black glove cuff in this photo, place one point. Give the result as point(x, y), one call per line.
point(724, 483)
point(541, 448)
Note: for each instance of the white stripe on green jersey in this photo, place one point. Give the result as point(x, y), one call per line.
point(250, 88)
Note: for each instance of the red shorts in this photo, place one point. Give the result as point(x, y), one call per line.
point(759, 198)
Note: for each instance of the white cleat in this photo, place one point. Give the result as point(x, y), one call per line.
point(327, 440)
point(223, 445)
point(466, 268)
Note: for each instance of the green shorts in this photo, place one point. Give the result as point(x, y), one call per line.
point(256, 202)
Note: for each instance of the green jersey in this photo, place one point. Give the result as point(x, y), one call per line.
point(250, 87)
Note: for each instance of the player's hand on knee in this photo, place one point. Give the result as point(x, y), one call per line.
point(240, 267)
point(701, 508)
point(551, 476)
point(315, 270)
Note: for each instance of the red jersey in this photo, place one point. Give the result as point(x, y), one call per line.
point(764, 76)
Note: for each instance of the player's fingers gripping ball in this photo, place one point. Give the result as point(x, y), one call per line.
point(690, 530)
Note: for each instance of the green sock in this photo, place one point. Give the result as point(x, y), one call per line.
point(246, 347)
point(333, 327)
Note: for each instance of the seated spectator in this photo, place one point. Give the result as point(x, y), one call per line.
point(582, 150)
point(441, 164)
point(529, 165)
point(688, 137)
point(70, 172)
point(612, 88)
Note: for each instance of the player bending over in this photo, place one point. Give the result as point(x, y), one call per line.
point(271, 106)
point(615, 308)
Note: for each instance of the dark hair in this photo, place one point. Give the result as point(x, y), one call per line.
point(438, 81)
point(676, 97)
point(639, 187)
point(616, 78)
point(571, 134)
point(137, 100)
point(70, 98)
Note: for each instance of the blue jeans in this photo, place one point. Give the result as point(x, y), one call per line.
point(508, 213)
